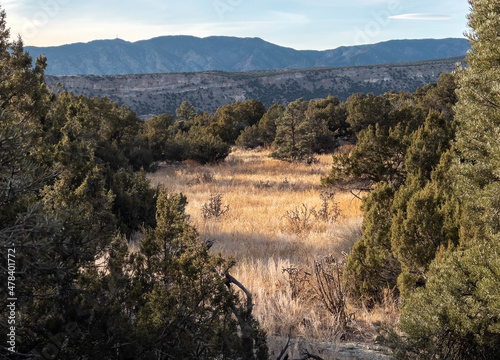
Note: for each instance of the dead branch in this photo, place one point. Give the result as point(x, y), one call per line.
point(287, 345)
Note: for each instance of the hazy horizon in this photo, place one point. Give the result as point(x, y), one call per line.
point(298, 24)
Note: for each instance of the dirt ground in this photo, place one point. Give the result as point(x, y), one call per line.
point(328, 351)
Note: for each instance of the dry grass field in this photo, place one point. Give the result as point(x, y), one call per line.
point(260, 234)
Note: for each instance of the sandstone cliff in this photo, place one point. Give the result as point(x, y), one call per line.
point(149, 94)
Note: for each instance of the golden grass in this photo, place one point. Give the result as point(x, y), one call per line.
point(259, 191)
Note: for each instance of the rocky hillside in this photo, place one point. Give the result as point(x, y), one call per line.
point(149, 94)
point(191, 54)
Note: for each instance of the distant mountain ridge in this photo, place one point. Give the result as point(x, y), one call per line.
point(177, 54)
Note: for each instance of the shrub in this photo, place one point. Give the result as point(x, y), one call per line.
point(250, 138)
point(214, 208)
point(297, 278)
point(331, 288)
point(328, 212)
point(371, 264)
point(200, 145)
point(285, 185)
point(263, 185)
point(299, 220)
point(457, 314)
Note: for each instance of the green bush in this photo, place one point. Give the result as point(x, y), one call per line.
point(250, 138)
point(457, 315)
point(201, 145)
point(371, 264)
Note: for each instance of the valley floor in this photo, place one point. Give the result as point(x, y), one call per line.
point(274, 238)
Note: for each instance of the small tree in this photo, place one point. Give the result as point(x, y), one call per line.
point(371, 264)
point(457, 314)
point(231, 119)
point(317, 135)
point(187, 306)
point(250, 138)
point(214, 208)
point(367, 109)
point(267, 125)
point(201, 145)
point(186, 111)
point(378, 157)
point(156, 133)
point(290, 133)
point(332, 112)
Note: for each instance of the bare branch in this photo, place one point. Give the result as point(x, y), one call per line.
point(232, 280)
point(287, 345)
point(356, 195)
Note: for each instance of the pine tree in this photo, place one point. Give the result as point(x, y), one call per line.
point(186, 111)
point(290, 133)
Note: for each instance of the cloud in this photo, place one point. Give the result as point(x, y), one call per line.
point(420, 17)
point(11, 4)
point(285, 17)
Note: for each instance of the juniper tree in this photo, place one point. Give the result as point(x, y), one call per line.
point(378, 157)
point(187, 308)
point(290, 133)
point(267, 125)
point(457, 314)
point(371, 264)
point(156, 132)
point(301, 131)
point(318, 136)
point(365, 110)
point(402, 228)
point(421, 206)
point(231, 119)
point(186, 111)
point(332, 112)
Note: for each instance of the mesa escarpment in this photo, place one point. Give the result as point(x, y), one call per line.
point(150, 94)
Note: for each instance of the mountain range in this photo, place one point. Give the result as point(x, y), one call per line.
point(177, 54)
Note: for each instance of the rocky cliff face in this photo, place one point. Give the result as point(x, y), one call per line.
point(150, 94)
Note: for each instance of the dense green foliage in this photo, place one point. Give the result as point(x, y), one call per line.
point(304, 129)
point(231, 119)
point(365, 110)
point(431, 224)
point(191, 137)
point(290, 139)
point(395, 159)
point(372, 266)
point(457, 314)
point(72, 194)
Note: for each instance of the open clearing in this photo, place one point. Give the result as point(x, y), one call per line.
point(263, 241)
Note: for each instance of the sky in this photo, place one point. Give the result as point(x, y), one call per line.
point(299, 24)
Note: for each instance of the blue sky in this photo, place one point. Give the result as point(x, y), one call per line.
point(300, 24)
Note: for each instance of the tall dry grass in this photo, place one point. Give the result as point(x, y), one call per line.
point(257, 235)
